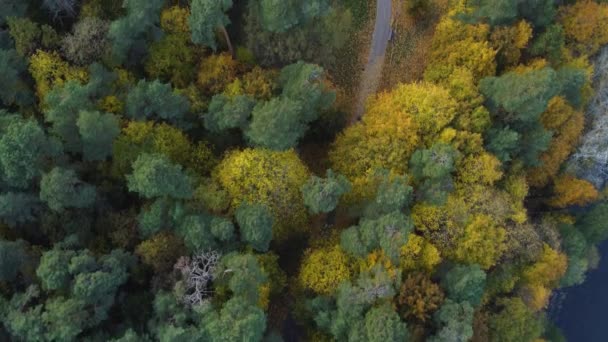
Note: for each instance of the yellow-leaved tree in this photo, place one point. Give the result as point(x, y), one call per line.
point(460, 45)
point(50, 71)
point(271, 178)
point(324, 269)
point(567, 125)
point(393, 127)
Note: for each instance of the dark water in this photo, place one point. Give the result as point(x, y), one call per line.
point(582, 311)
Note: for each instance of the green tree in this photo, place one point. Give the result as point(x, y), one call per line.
point(155, 176)
point(321, 195)
point(550, 44)
point(206, 16)
point(150, 100)
point(12, 257)
point(279, 16)
point(14, 89)
point(23, 148)
point(226, 113)
point(465, 283)
point(255, 223)
point(276, 124)
point(236, 321)
point(62, 109)
point(525, 95)
point(243, 276)
point(53, 270)
point(456, 322)
point(142, 19)
point(432, 170)
point(97, 132)
point(389, 232)
point(593, 223)
point(18, 208)
point(61, 189)
point(393, 194)
point(11, 8)
point(382, 323)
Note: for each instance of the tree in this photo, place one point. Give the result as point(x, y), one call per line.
point(61, 189)
point(567, 125)
point(515, 322)
point(154, 99)
point(592, 223)
point(526, 95)
point(255, 223)
point(276, 124)
point(269, 178)
point(155, 176)
point(227, 113)
point(479, 169)
point(419, 297)
point(18, 208)
point(15, 90)
point(50, 71)
point(389, 232)
point(465, 283)
point(142, 19)
point(570, 191)
point(419, 254)
point(392, 127)
point(324, 269)
point(97, 131)
point(175, 19)
point(60, 7)
point(172, 58)
point(63, 106)
point(243, 276)
point(30, 36)
point(584, 25)
point(53, 269)
point(216, 72)
point(550, 44)
point(483, 242)
point(509, 41)
point(147, 137)
point(282, 121)
point(12, 257)
point(456, 321)
point(236, 321)
point(321, 195)
point(383, 324)
point(279, 16)
point(88, 41)
point(502, 12)
point(11, 8)
point(160, 251)
point(457, 45)
point(23, 147)
point(205, 17)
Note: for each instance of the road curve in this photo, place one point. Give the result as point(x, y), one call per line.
point(372, 73)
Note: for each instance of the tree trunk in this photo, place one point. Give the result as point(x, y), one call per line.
point(228, 42)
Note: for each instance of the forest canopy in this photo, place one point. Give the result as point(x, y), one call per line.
point(197, 170)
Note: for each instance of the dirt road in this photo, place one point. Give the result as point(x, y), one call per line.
point(370, 79)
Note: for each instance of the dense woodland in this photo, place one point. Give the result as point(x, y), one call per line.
point(187, 170)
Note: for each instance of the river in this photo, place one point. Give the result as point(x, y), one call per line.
point(580, 311)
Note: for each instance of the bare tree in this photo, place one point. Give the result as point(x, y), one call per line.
point(198, 273)
point(591, 158)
